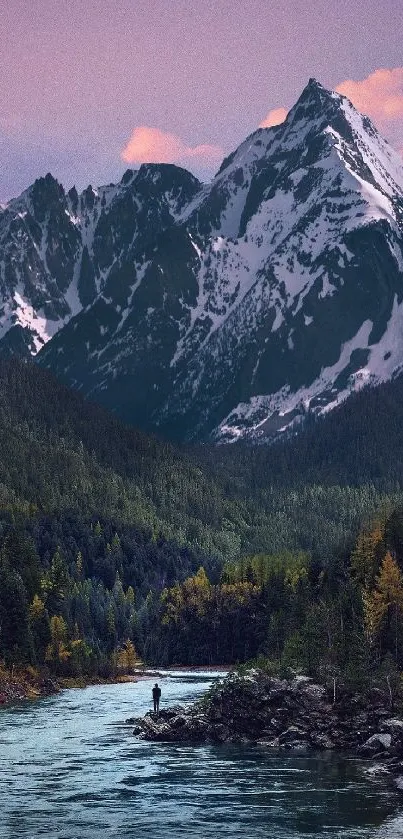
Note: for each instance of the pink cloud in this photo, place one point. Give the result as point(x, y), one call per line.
point(380, 95)
point(275, 117)
point(151, 145)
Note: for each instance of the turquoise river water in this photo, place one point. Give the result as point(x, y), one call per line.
point(71, 769)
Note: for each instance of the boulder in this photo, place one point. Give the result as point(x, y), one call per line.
point(292, 734)
point(393, 725)
point(322, 741)
point(378, 742)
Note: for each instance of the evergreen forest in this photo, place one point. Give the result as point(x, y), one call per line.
point(116, 546)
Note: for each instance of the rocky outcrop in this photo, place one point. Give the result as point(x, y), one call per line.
point(282, 714)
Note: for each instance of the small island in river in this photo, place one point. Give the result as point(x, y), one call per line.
point(294, 714)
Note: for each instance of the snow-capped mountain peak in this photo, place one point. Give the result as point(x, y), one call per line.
point(229, 309)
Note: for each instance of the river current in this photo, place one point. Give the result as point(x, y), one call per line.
point(71, 769)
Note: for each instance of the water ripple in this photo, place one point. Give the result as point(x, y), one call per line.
point(70, 769)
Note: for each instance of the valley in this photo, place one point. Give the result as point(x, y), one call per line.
point(147, 325)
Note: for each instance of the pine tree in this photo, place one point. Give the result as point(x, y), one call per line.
point(79, 565)
point(40, 627)
point(367, 554)
point(384, 605)
point(58, 651)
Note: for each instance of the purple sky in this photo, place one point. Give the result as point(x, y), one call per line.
point(80, 76)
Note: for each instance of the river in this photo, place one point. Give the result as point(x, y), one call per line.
point(71, 769)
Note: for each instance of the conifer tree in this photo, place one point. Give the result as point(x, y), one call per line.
point(384, 604)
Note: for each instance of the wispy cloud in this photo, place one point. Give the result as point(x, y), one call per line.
point(275, 117)
point(380, 95)
point(151, 145)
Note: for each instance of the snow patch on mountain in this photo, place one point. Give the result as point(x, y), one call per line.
point(229, 309)
point(385, 361)
point(42, 327)
point(257, 410)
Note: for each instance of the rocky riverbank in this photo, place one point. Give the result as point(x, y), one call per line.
point(285, 714)
point(17, 685)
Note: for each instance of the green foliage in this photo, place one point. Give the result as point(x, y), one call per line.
point(40, 628)
point(112, 541)
point(62, 454)
point(359, 444)
point(15, 637)
point(319, 618)
point(261, 568)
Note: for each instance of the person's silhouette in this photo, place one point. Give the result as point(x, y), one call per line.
point(156, 698)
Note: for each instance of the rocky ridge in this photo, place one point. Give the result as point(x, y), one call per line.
point(226, 310)
point(62, 251)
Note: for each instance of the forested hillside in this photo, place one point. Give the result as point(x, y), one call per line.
point(110, 538)
point(336, 622)
point(358, 443)
point(73, 591)
point(62, 453)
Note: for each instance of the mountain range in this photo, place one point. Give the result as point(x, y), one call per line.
point(225, 311)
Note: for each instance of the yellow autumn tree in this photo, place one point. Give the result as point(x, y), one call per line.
point(126, 657)
point(188, 599)
point(385, 602)
point(367, 554)
point(173, 601)
point(37, 608)
point(197, 591)
point(57, 651)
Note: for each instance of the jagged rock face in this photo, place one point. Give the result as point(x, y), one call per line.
point(231, 309)
point(61, 253)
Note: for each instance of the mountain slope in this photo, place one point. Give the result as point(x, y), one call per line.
point(59, 251)
point(240, 306)
point(321, 227)
point(359, 443)
point(63, 459)
point(60, 454)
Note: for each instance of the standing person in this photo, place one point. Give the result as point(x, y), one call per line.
point(156, 698)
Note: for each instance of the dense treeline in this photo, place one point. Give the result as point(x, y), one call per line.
point(61, 453)
point(84, 599)
point(358, 443)
point(338, 620)
point(115, 544)
point(73, 593)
